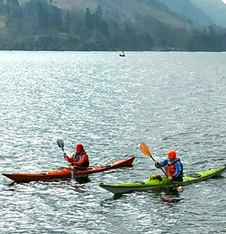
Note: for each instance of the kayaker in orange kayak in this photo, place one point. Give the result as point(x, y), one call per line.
point(79, 159)
point(174, 167)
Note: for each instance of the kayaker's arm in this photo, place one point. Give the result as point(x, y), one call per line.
point(68, 159)
point(161, 164)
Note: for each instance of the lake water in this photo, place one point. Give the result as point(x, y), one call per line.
point(170, 100)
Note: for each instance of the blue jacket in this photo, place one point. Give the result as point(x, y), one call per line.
point(178, 167)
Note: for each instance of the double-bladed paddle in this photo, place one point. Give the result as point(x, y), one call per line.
point(60, 143)
point(145, 150)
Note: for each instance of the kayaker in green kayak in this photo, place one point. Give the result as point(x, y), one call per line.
point(174, 167)
point(79, 159)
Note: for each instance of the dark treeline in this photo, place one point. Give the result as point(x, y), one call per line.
point(38, 25)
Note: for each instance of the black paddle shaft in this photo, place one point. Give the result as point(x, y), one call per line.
point(60, 143)
point(159, 167)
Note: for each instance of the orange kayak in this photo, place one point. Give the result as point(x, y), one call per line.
point(66, 172)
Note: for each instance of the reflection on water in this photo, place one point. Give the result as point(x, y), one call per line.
point(168, 195)
point(112, 198)
point(169, 100)
point(83, 179)
point(172, 195)
point(170, 200)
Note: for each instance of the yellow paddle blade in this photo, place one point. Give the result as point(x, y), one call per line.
point(144, 149)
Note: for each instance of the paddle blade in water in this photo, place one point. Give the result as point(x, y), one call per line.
point(60, 143)
point(144, 149)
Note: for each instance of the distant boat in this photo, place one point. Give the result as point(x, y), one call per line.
point(122, 54)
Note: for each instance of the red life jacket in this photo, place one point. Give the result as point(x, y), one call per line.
point(170, 170)
point(79, 160)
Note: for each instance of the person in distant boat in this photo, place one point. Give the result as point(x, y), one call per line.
point(79, 159)
point(174, 167)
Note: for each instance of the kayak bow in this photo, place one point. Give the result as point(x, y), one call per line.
point(155, 181)
point(66, 172)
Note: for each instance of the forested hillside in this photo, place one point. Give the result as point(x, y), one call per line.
point(44, 25)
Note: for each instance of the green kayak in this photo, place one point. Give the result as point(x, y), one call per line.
point(156, 181)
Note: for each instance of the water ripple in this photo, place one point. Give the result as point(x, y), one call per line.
point(170, 100)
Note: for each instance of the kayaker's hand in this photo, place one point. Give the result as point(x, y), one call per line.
point(157, 164)
point(65, 156)
point(170, 178)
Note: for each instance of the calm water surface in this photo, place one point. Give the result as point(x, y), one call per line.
point(111, 104)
